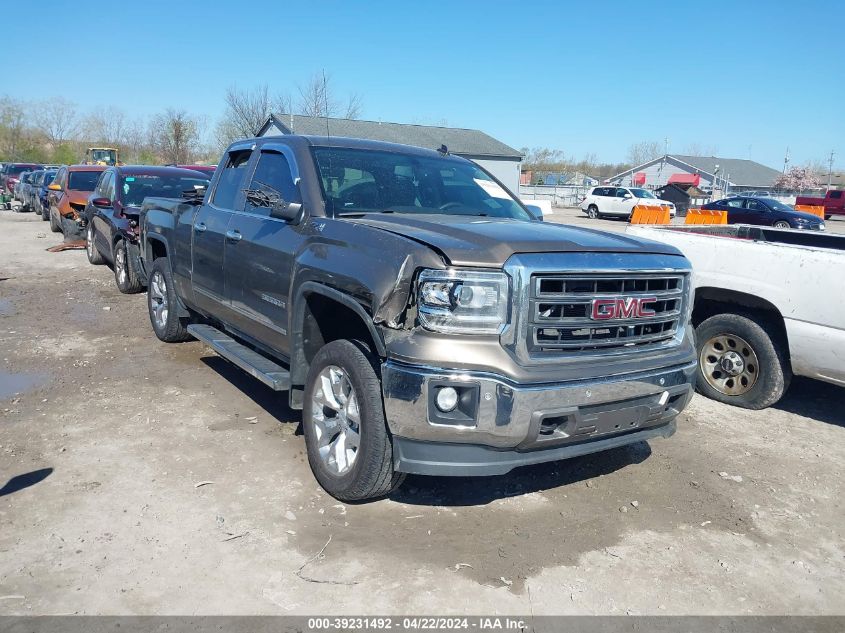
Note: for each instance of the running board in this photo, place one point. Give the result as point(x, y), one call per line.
point(274, 376)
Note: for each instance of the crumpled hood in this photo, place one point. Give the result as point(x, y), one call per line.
point(489, 242)
point(77, 197)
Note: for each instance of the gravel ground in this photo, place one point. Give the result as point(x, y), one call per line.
point(146, 478)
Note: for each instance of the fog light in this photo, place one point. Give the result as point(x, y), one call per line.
point(446, 399)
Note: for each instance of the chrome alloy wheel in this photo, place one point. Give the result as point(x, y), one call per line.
point(158, 299)
point(120, 265)
point(89, 242)
point(337, 420)
point(729, 364)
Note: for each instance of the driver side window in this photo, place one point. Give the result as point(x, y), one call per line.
point(273, 177)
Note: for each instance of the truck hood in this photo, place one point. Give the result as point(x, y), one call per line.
point(489, 242)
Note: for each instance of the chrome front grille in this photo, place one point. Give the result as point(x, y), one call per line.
point(561, 319)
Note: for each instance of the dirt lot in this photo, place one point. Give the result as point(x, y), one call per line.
point(107, 433)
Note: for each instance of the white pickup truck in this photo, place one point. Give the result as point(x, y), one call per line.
point(769, 303)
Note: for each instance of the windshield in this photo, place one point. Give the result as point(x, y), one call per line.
point(49, 177)
point(103, 155)
point(776, 205)
point(136, 188)
point(83, 180)
point(643, 193)
point(371, 181)
point(15, 170)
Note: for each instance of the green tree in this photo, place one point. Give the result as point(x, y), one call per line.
point(64, 154)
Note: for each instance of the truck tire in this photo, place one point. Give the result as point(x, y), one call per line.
point(163, 304)
point(125, 275)
point(94, 255)
point(739, 362)
point(346, 436)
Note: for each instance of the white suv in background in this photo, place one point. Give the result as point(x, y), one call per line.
point(619, 201)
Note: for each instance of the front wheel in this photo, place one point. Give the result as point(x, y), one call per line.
point(125, 274)
point(94, 255)
point(781, 224)
point(349, 447)
point(739, 362)
point(54, 226)
point(163, 304)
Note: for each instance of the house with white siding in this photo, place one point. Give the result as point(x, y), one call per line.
point(734, 174)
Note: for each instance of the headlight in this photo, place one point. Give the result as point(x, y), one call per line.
point(463, 301)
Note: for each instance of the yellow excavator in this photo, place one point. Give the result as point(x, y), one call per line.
point(101, 156)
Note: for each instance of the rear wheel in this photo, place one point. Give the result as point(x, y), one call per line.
point(349, 447)
point(125, 274)
point(593, 212)
point(739, 362)
point(94, 255)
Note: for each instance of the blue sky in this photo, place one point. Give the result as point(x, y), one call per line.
point(745, 78)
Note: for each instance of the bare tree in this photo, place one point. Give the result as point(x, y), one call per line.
point(57, 119)
point(246, 111)
point(107, 126)
point(700, 149)
point(175, 135)
point(12, 127)
point(644, 151)
point(317, 98)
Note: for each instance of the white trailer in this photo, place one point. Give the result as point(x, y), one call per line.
point(769, 303)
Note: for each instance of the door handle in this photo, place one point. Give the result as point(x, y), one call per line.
point(235, 236)
point(199, 227)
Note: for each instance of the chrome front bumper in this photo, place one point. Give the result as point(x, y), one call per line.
point(528, 422)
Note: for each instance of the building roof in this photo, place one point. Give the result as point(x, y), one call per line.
point(741, 172)
point(459, 141)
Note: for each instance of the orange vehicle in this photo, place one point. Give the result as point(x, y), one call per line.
point(68, 195)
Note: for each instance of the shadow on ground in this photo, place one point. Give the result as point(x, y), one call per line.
point(478, 491)
point(815, 399)
point(26, 480)
point(275, 403)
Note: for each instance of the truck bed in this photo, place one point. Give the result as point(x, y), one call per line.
point(797, 272)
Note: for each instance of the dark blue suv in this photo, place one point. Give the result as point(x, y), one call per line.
point(766, 212)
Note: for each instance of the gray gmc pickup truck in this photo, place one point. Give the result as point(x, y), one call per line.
point(419, 315)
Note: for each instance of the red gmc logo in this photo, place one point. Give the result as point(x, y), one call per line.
point(622, 308)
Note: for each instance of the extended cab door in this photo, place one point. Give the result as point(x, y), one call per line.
point(208, 241)
point(260, 252)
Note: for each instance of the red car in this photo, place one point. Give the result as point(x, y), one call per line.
point(204, 169)
point(833, 202)
point(10, 176)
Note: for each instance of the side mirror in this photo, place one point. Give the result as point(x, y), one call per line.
point(54, 186)
point(288, 211)
point(534, 210)
point(627, 195)
point(101, 203)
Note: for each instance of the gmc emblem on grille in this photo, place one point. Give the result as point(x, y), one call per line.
point(622, 308)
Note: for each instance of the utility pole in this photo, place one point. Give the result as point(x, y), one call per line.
point(829, 169)
point(786, 159)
